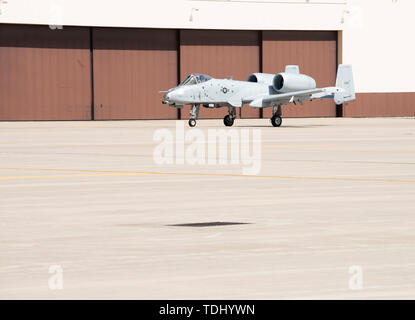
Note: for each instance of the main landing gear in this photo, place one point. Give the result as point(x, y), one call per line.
point(194, 114)
point(230, 118)
point(276, 116)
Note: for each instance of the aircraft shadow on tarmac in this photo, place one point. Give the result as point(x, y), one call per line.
point(282, 127)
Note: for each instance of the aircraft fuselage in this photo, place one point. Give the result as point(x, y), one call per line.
point(216, 91)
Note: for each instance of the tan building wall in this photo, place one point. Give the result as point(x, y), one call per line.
point(117, 73)
point(131, 66)
point(44, 75)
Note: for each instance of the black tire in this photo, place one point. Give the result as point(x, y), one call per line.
point(192, 122)
point(228, 121)
point(276, 121)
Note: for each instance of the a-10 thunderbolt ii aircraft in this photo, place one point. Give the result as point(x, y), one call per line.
point(261, 90)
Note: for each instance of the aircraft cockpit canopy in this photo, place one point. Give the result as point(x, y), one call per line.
point(195, 78)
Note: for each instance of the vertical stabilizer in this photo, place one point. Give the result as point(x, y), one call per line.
point(345, 81)
point(292, 69)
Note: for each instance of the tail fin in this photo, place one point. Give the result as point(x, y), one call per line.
point(345, 81)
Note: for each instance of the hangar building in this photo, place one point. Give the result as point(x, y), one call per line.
point(86, 60)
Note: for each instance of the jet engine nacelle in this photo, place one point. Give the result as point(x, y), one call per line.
point(287, 82)
point(264, 78)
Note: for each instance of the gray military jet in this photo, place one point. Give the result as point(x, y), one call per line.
point(261, 90)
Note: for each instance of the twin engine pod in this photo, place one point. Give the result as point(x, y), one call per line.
point(287, 82)
point(263, 78)
point(290, 80)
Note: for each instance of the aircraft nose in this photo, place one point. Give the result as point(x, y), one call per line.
point(167, 97)
point(171, 96)
point(174, 95)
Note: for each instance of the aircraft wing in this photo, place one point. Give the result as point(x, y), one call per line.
point(289, 97)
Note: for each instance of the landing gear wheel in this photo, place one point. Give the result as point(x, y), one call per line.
point(228, 121)
point(276, 121)
point(192, 122)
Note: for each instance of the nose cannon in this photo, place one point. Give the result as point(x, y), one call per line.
point(165, 100)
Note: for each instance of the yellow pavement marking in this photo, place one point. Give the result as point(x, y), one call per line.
point(98, 173)
point(286, 148)
point(67, 176)
point(132, 145)
point(289, 148)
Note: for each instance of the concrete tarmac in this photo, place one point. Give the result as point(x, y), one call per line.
point(86, 212)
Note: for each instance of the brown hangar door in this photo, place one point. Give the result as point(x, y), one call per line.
point(220, 54)
point(315, 52)
point(45, 74)
point(130, 67)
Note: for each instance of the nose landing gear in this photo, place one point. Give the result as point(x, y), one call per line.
point(192, 122)
point(194, 114)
